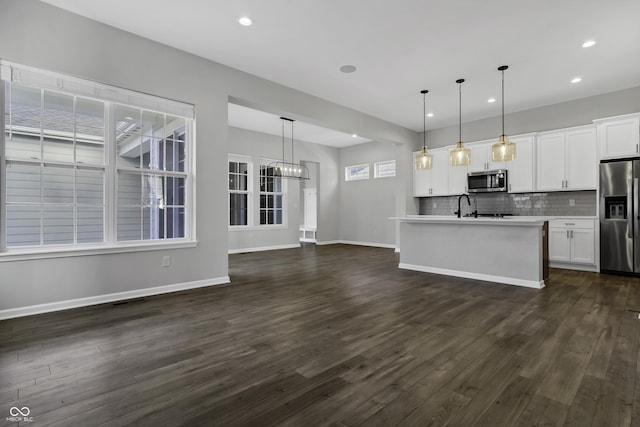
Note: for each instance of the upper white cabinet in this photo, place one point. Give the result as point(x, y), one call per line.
point(619, 136)
point(457, 179)
point(434, 181)
point(421, 180)
point(521, 169)
point(440, 172)
point(567, 160)
point(481, 156)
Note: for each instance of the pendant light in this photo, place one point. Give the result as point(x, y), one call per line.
point(503, 150)
point(460, 156)
point(424, 160)
point(286, 169)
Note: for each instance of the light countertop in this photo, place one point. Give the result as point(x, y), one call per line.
point(506, 221)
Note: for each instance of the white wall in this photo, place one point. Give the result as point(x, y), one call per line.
point(260, 145)
point(39, 35)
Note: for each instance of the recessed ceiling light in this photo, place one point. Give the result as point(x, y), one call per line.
point(588, 43)
point(354, 135)
point(129, 118)
point(348, 68)
point(490, 100)
point(429, 114)
point(576, 80)
point(245, 21)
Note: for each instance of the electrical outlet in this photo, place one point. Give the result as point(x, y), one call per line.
point(166, 261)
point(572, 202)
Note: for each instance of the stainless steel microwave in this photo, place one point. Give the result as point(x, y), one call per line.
point(487, 181)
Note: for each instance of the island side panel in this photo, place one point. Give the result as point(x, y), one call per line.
point(500, 253)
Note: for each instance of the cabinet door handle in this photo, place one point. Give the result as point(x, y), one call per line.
point(637, 148)
point(567, 234)
point(572, 234)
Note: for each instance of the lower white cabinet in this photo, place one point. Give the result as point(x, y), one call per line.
point(572, 241)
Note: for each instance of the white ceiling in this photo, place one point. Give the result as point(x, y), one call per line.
point(259, 121)
point(400, 47)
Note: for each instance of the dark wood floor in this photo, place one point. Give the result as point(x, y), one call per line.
point(335, 335)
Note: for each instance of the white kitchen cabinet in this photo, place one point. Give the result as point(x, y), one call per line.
point(567, 160)
point(521, 170)
point(481, 156)
point(421, 180)
point(457, 180)
point(440, 172)
point(582, 159)
point(559, 245)
point(619, 136)
point(434, 181)
point(572, 241)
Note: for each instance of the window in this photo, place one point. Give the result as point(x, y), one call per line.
point(384, 169)
point(353, 173)
point(271, 196)
point(239, 190)
point(59, 145)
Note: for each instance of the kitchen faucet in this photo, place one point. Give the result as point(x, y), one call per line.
point(459, 211)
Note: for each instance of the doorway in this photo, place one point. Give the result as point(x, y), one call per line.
point(309, 196)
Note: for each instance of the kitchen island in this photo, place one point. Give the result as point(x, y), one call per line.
point(510, 250)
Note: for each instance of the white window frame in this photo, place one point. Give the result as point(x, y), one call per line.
point(284, 194)
point(377, 166)
point(350, 176)
point(250, 215)
point(40, 79)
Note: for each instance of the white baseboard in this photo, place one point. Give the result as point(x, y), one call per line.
point(329, 242)
point(263, 248)
point(477, 276)
point(350, 242)
point(101, 299)
point(569, 266)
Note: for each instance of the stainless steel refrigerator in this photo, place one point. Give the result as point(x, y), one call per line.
point(619, 216)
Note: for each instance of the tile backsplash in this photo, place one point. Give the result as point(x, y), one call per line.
point(530, 204)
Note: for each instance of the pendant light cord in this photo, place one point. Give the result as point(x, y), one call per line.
point(460, 112)
point(292, 143)
point(424, 122)
point(502, 101)
point(282, 120)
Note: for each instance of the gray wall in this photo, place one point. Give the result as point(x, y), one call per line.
point(39, 35)
point(566, 114)
point(260, 145)
point(366, 205)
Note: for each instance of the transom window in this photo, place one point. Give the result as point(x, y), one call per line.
point(88, 170)
point(356, 172)
point(385, 169)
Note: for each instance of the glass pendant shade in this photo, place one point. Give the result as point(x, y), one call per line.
point(424, 160)
point(503, 150)
point(460, 156)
